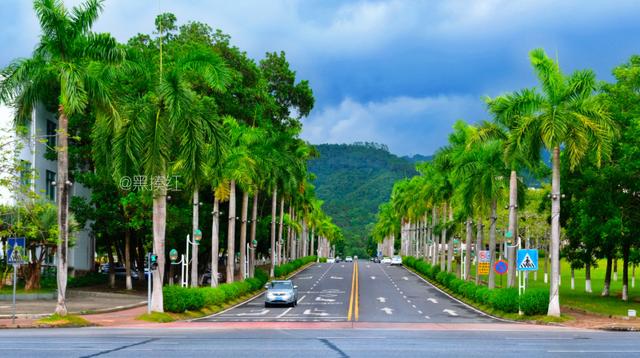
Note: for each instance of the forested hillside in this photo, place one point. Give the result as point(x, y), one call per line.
point(352, 180)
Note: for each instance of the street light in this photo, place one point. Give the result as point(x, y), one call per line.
point(185, 261)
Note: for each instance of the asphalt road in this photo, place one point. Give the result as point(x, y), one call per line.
point(108, 342)
point(362, 291)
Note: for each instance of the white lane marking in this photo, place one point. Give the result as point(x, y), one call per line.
point(305, 278)
point(432, 300)
point(302, 298)
point(405, 297)
point(285, 312)
point(414, 306)
point(381, 299)
point(323, 299)
point(427, 317)
point(368, 266)
point(336, 278)
point(402, 293)
point(254, 313)
point(372, 277)
point(450, 312)
point(409, 301)
point(387, 310)
point(420, 312)
point(341, 265)
point(315, 312)
point(405, 278)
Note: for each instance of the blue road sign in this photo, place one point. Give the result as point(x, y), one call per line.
point(527, 260)
point(500, 267)
point(16, 249)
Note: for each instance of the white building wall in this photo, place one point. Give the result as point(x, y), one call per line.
point(34, 147)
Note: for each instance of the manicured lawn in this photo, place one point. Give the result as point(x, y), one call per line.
point(578, 298)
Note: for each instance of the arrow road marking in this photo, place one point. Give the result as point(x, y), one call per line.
point(254, 313)
point(336, 278)
point(387, 310)
point(316, 312)
point(381, 299)
point(432, 300)
point(450, 312)
point(285, 312)
point(405, 278)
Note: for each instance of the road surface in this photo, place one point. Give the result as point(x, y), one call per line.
point(361, 291)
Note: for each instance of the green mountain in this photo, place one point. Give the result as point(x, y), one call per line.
point(353, 180)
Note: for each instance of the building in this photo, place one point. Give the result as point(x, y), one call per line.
point(31, 150)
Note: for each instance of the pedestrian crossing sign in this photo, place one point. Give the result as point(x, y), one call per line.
point(527, 260)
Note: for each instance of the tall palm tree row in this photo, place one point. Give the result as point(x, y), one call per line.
point(478, 170)
point(182, 103)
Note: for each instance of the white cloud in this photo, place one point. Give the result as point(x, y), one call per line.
point(408, 125)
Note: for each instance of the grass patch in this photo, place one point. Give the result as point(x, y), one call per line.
point(158, 317)
point(55, 320)
point(577, 298)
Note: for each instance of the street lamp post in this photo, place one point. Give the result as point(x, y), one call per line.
point(184, 259)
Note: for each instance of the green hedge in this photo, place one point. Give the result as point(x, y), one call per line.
point(179, 299)
point(286, 269)
point(532, 302)
point(323, 259)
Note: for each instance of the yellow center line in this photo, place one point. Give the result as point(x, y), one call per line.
point(357, 293)
point(353, 283)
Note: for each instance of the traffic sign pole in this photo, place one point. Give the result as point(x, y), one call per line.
point(15, 276)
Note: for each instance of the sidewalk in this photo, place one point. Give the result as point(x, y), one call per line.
point(78, 302)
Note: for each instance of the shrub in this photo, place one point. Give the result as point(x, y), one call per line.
point(323, 259)
point(213, 296)
point(455, 284)
point(285, 269)
point(261, 275)
point(505, 299)
point(468, 290)
point(534, 302)
point(173, 299)
point(409, 261)
point(423, 267)
point(483, 295)
point(433, 272)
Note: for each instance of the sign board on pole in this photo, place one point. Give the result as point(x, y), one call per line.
point(500, 267)
point(483, 268)
point(527, 260)
point(16, 248)
point(484, 256)
point(484, 259)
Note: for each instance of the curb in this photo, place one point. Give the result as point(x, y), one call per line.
point(78, 313)
point(461, 302)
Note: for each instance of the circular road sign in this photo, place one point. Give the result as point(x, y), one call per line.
point(500, 267)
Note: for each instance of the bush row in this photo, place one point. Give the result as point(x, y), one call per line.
point(179, 299)
point(532, 302)
point(285, 269)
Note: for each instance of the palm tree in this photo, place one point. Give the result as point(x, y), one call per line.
point(565, 115)
point(67, 64)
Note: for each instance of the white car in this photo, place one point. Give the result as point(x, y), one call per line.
point(348, 259)
point(396, 260)
point(386, 260)
point(331, 260)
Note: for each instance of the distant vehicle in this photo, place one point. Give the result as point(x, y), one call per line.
point(338, 259)
point(282, 292)
point(396, 260)
point(348, 259)
point(355, 257)
point(206, 278)
point(375, 259)
point(331, 260)
point(386, 260)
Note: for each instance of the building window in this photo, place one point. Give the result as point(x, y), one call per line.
point(25, 173)
point(51, 137)
point(51, 189)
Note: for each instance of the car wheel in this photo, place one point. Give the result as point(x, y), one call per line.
point(266, 305)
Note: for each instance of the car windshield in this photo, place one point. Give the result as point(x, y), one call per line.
point(281, 285)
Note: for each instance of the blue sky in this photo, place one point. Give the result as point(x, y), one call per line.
point(394, 72)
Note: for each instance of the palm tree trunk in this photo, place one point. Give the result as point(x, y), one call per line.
point(254, 219)
point(112, 268)
point(443, 238)
point(587, 277)
point(159, 227)
point(513, 228)
point(231, 233)
point(274, 201)
point(194, 247)
point(311, 243)
point(479, 239)
point(280, 229)
point(554, 293)
point(127, 258)
point(625, 271)
point(436, 247)
point(450, 245)
point(492, 244)
point(215, 241)
point(607, 276)
point(303, 239)
point(243, 234)
point(467, 258)
point(63, 211)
